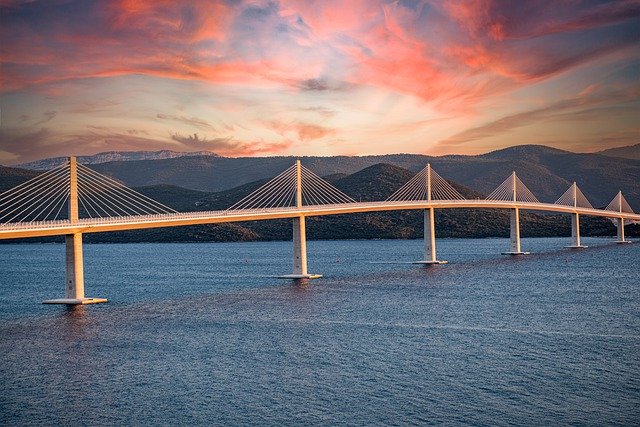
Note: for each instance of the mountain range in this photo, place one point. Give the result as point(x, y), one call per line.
point(627, 152)
point(548, 172)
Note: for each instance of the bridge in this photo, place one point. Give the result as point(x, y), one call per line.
point(72, 200)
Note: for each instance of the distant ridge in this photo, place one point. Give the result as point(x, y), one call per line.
point(628, 152)
point(114, 156)
point(548, 172)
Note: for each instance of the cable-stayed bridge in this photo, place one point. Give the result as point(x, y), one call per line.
point(73, 199)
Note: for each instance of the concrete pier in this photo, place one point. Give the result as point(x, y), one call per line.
point(514, 231)
point(620, 227)
point(575, 232)
point(430, 257)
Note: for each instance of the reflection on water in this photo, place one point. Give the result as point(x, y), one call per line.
point(75, 311)
point(192, 335)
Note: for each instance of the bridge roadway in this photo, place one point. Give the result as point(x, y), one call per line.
point(99, 225)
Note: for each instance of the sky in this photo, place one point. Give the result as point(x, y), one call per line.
point(293, 77)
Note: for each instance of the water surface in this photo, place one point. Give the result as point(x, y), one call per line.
point(199, 333)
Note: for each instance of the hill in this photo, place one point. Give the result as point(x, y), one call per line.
point(628, 152)
point(10, 177)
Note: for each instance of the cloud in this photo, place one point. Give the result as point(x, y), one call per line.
point(304, 131)
point(193, 121)
point(229, 146)
point(322, 84)
point(278, 69)
point(18, 144)
point(576, 108)
point(453, 53)
point(321, 111)
point(136, 132)
point(23, 145)
point(48, 116)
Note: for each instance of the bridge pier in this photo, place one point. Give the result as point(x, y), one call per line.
point(514, 232)
point(299, 237)
point(575, 232)
point(74, 283)
point(620, 227)
point(300, 252)
point(429, 240)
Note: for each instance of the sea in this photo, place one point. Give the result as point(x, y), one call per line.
point(205, 334)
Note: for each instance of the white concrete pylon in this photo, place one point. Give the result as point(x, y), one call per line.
point(575, 221)
point(620, 231)
point(575, 232)
point(74, 284)
point(622, 206)
point(514, 222)
point(429, 229)
point(514, 233)
point(299, 237)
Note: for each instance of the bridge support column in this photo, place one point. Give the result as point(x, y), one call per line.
point(620, 227)
point(575, 232)
point(515, 234)
point(299, 237)
point(300, 252)
point(74, 283)
point(429, 240)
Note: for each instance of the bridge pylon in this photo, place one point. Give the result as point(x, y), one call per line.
point(620, 204)
point(429, 235)
point(427, 186)
point(299, 236)
point(74, 277)
point(513, 190)
point(575, 198)
point(295, 189)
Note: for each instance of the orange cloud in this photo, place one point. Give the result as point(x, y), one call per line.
point(304, 131)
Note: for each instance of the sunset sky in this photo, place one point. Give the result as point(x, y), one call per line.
point(289, 77)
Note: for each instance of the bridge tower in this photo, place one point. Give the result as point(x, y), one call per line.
point(574, 198)
point(575, 221)
point(429, 227)
point(299, 236)
point(514, 223)
point(621, 204)
point(427, 186)
point(74, 283)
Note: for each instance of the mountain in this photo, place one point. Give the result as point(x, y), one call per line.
point(113, 156)
point(628, 152)
point(547, 172)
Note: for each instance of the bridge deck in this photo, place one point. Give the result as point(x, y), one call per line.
point(97, 225)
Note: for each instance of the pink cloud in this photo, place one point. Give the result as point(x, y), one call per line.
point(304, 131)
point(415, 51)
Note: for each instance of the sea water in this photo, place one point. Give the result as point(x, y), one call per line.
point(204, 334)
